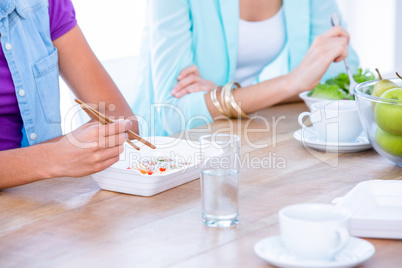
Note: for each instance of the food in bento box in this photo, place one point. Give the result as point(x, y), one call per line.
point(158, 166)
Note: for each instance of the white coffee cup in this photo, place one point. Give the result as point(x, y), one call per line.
point(334, 121)
point(314, 231)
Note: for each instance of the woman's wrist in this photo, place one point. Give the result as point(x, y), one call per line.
point(50, 168)
point(295, 81)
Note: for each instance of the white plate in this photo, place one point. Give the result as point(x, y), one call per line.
point(309, 138)
point(273, 251)
point(120, 179)
point(376, 208)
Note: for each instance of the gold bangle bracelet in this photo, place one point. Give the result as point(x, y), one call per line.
point(236, 106)
point(213, 95)
point(228, 92)
point(239, 111)
point(228, 105)
point(227, 99)
point(231, 105)
point(226, 111)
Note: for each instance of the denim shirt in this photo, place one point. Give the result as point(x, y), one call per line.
point(33, 63)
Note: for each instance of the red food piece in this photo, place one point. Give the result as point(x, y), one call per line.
point(150, 172)
point(162, 169)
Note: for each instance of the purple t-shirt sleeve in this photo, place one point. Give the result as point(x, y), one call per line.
point(62, 17)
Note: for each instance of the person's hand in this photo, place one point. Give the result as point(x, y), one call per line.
point(190, 80)
point(331, 46)
point(89, 149)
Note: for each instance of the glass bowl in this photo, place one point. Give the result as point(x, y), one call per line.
point(382, 120)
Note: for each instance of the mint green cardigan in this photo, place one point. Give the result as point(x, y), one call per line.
point(180, 33)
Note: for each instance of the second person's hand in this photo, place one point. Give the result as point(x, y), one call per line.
point(331, 46)
point(189, 81)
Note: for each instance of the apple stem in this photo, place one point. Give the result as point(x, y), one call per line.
point(398, 75)
point(379, 75)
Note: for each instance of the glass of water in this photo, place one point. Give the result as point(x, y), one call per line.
point(220, 180)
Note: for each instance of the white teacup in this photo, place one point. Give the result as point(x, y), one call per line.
point(334, 121)
point(314, 231)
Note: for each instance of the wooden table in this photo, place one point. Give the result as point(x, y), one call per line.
point(72, 223)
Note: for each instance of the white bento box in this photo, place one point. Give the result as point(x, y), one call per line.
point(119, 178)
point(376, 208)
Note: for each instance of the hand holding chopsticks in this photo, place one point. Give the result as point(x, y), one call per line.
point(104, 120)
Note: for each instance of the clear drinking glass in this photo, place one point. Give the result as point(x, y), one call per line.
point(220, 180)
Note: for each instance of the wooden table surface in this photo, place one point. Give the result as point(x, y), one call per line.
point(69, 222)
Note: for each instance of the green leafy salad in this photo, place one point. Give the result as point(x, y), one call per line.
point(337, 88)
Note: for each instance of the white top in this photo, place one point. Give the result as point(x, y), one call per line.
point(260, 42)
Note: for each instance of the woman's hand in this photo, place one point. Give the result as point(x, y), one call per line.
point(331, 46)
point(190, 81)
point(89, 149)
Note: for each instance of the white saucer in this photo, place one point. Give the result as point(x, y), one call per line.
point(273, 251)
point(309, 138)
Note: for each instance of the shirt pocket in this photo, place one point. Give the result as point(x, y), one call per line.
point(46, 74)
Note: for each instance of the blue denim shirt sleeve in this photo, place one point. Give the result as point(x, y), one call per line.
point(33, 63)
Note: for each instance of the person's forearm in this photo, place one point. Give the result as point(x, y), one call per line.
point(292, 99)
point(331, 46)
point(87, 150)
point(25, 165)
point(88, 79)
point(259, 96)
point(105, 95)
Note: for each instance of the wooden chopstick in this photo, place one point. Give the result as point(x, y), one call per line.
point(106, 120)
point(131, 134)
point(93, 115)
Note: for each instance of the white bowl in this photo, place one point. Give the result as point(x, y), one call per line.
point(309, 100)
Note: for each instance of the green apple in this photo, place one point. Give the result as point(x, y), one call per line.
point(390, 143)
point(389, 115)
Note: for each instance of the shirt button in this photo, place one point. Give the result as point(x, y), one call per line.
point(9, 46)
point(21, 92)
point(33, 136)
